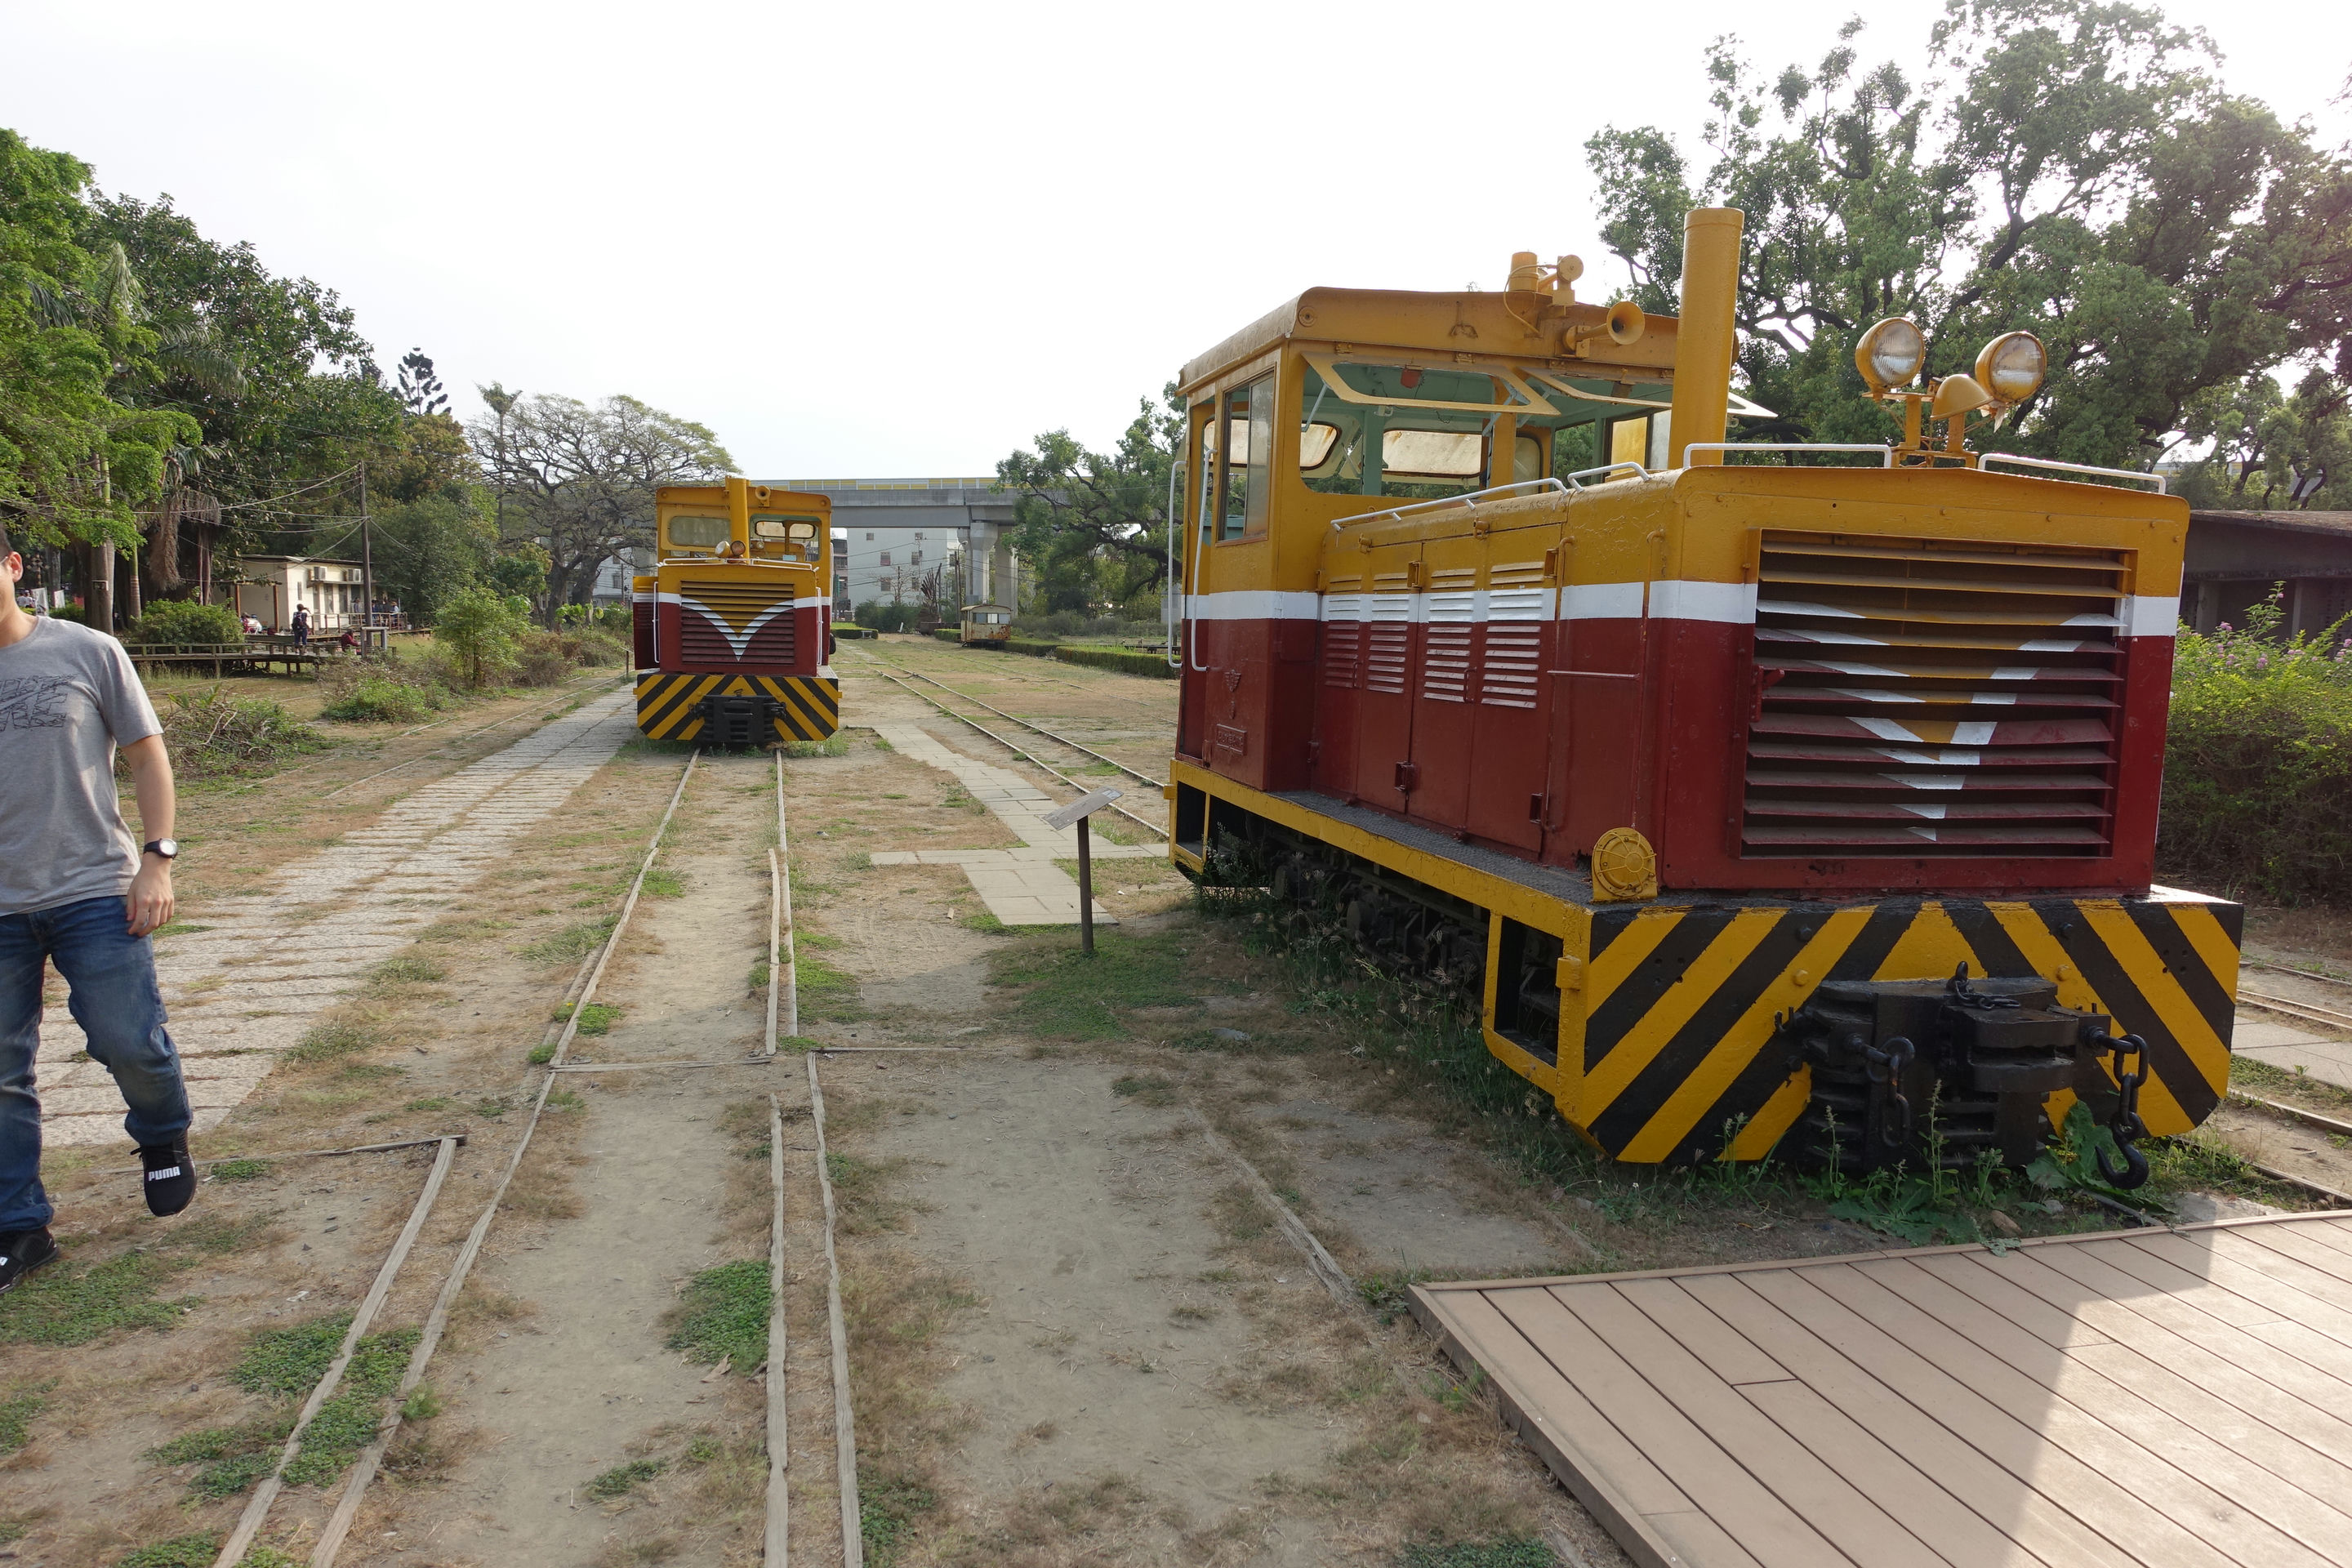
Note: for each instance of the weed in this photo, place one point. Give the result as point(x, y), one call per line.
point(434, 1103)
point(595, 1018)
point(490, 1106)
point(661, 882)
point(823, 941)
point(1067, 993)
point(541, 1054)
point(622, 1480)
point(327, 1042)
point(571, 944)
point(233, 1457)
point(1523, 1552)
point(564, 1100)
point(347, 1422)
point(886, 1506)
point(826, 991)
point(724, 1314)
point(984, 922)
point(59, 1306)
point(181, 1551)
point(1389, 1296)
point(16, 1527)
point(16, 1412)
point(757, 980)
point(1148, 1089)
point(422, 1404)
point(409, 971)
point(288, 1362)
point(241, 1170)
point(834, 745)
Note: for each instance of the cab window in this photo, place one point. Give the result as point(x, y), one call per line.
point(1248, 451)
point(697, 532)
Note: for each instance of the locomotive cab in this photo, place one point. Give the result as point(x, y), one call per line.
point(733, 639)
point(1765, 795)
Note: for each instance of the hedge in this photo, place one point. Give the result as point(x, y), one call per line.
point(1029, 645)
point(2258, 765)
point(948, 634)
point(851, 630)
point(1126, 660)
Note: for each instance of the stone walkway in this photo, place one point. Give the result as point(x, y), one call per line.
point(1021, 887)
point(251, 975)
point(2292, 1048)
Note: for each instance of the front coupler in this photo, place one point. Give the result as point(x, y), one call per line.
point(1923, 1073)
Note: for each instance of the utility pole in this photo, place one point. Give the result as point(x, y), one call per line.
point(367, 556)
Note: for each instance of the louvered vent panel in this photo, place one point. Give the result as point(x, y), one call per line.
point(718, 619)
point(1517, 604)
point(1933, 697)
point(1343, 638)
point(1453, 622)
point(1388, 640)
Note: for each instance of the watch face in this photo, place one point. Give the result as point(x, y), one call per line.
point(169, 848)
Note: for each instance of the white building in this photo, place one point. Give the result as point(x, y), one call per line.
point(891, 534)
point(270, 587)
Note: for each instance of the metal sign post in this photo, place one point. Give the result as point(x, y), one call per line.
point(1077, 811)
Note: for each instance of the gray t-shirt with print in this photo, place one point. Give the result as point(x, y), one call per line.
point(68, 698)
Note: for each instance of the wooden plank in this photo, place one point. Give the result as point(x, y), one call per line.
point(2039, 1526)
point(2013, 1441)
point(2196, 1256)
point(1772, 1534)
point(2062, 1425)
point(1592, 1458)
point(1695, 1537)
point(2053, 1325)
point(2303, 1246)
point(2329, 1230)
point(2229, 1363)
point(2186, 1286)
point(2321, 1285)
point(1813, 1490)
point(1726, 1352)
point(1915, 1500)
point(2283, 1483)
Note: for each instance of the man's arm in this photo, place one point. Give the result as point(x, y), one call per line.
point(151, 780)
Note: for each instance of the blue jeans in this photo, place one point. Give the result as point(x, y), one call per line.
point(115, 1000)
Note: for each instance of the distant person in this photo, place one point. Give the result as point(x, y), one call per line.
point(78, 892)
point(301, 625)
point(347, 642)
point(252, 626)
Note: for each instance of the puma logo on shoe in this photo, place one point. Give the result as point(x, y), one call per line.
point(162, 1175)
point(171, 1181)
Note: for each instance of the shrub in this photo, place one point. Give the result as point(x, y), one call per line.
point(600, 648)
point(2258, 761)
point(1126, 660)
point(72, 613)
point(1029, 645)
point(540, 659)
point(480, 629)
point(379, 700)
point(210, 735)
point(182, 621)
point(883, 616)
point(948, 634)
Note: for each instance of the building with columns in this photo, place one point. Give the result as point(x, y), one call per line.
point(891, 535)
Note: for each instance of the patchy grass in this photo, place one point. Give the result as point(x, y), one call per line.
point(661, 882)
point(180, 1552)
point(1069, 996)
point(2272, 1082)
point(595, 1018)
point(724, 1314)
point(288, 1362)
point(825, 991)
point(887, 1507)
point(1526, 1552)
point(66, 1306)
point(571, 944)
point(331, 1041)
point(541, 1054)
point(985, 923)
point(241, 1170)
point(234, 1458)
point(1147, 1089)
point(17, 1408)
point(283, 1365)
point(1389, 1296)
point(622, 1480)
point(347, 1422)
point(409, 971)
point(834, 745)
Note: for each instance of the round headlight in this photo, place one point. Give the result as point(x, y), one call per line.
point(2012, 365)
point(1891, 353)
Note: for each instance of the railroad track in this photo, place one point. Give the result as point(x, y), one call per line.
point(887, 671)
point(2309, 1012)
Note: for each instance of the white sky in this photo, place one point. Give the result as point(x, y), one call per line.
point(902, 239)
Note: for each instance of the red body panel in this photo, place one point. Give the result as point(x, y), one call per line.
point(791, 644)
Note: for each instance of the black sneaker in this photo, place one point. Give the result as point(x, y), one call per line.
point(21, 1252)
point(171, 1176)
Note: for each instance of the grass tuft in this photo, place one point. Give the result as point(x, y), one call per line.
point(622, 1480)
point(1068, 995)
point(63, 1306)
point(826, 991)
point(17, 1409)
point(571, 944)
point(327, 1042)
point(1524, 1552)
point(887, 1507)
point(241, 1170)
point(724, 1313)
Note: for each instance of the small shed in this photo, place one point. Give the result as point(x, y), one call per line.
point(270, 587)
point(2234, 558)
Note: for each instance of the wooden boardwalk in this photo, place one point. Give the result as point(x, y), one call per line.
point(2179, 1397)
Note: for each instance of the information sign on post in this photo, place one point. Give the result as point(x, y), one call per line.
point(1077, 811)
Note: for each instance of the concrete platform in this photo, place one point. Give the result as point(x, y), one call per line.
point(2178, 1396)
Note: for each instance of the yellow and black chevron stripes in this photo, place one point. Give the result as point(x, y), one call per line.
point(808, 707)
point(1677, 1016)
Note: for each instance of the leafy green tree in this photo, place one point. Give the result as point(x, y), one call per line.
point(518, 571)
point(424, 455)
point(2273, 450)
point(420, 389)
point(2071, 167)
point(429, 549)
point(1093, 526)
point(482, 628)
point(74, 455)
point(578, 480)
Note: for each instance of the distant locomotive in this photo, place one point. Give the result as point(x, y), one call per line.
point(733, 625)
point(1766, 803)
point(986, 625)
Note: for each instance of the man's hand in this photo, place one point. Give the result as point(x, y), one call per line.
point(150, 895)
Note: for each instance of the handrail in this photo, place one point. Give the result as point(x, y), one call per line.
point(1606, 469)
point(1885, 451)
point(1472, 498)
point(2019, 458)
point(1172, 608)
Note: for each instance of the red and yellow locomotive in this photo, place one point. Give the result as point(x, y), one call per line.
point(1763, 800)
point(734, 627)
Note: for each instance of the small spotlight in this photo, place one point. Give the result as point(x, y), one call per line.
point(1890, 355)
point(1958, 394)
point(2012, 365)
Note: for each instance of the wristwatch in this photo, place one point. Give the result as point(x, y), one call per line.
point(169, 848)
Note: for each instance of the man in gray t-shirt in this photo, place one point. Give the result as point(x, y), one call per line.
point(76, 889)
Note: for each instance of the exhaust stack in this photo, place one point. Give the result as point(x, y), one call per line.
point(1701, 406)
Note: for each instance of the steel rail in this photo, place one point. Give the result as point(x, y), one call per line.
point(1063, 739)
point(2244, 962)
point(2309, 1012)
point(2295, 1112)
point(1016, 751)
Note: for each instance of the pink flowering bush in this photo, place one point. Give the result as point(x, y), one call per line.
point(2258, 762)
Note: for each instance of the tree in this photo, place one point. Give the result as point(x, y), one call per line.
point(481, 627)
point(578, 480)
point(421, 391)
point(430, 549)
point(74, 455)
point(1093, 525)
point(2069, 167)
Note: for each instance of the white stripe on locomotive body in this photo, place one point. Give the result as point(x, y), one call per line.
point(737, 641)
point(1668, 599)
